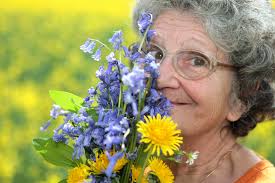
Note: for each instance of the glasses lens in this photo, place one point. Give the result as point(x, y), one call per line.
point(192, 65)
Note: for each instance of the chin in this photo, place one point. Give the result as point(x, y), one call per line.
point(186, 122)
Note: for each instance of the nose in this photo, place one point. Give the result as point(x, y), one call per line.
point(168, 77)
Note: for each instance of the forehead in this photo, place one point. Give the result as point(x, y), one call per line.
point(177, 29)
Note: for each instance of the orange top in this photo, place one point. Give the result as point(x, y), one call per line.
point(262, 172)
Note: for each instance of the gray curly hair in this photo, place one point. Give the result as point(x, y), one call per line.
point(245, 30)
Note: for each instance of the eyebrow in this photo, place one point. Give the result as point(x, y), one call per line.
point(193, 44)
point(158, 40)
point(193, 41)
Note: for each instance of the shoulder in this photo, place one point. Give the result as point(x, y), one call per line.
point(262, 172)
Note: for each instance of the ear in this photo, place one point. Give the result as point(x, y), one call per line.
point(236, 110)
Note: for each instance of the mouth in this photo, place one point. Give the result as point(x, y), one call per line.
point(179, 103)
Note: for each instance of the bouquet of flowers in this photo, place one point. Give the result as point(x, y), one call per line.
point(120, 132)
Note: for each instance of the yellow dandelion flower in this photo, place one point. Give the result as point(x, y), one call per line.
point(78, 174)
point(161, 170)
point(160, 134)
point(273, 4)
point(101, 163)
point(135, 173)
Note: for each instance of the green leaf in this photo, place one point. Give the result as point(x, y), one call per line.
point(177, 157)
point(56, 153)
point(92, 112)
point(63, 181)
point(66, 100)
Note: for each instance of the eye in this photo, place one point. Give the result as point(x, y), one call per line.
point(192, 64)
point(155, 52)
point(199, 62)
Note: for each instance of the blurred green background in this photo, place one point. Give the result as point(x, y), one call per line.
point(39, 51)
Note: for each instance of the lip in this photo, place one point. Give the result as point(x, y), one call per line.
point(178, 103)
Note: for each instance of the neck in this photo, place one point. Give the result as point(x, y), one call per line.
point(213, 148)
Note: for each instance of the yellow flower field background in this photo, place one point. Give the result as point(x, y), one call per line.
point(39, 51)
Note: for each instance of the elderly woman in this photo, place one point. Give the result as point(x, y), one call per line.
point(217, 63)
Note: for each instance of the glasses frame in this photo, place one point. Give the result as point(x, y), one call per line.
point(214, 63)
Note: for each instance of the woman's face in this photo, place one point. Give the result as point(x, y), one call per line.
point(199, 106)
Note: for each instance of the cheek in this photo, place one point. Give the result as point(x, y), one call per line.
point(212, 101)
point(212, 92)
point(209, 110)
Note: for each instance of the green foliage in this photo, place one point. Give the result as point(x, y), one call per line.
point(66, 100)
point(58, 154)
point(262, 140)
point(63, 181)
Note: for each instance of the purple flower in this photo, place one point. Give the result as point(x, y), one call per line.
point(161, 106)
point(107, 118)
point(112, 140)
point(83, 111)
point(98, 135)
point(154, 95)
point(90, 121)
point(88, 101)
point(150, 35)
point(129, 99)
point(88, 46)
point(152, 69)
point(114, 128)
point(79, 147)
point(124, 123)
point(91, 91)
point(77, 118)
point(60, 138)
point(87, 137)
point(97, 54)
point(124, 70)
point(70, 130)
point(111, 127)
point(126, 51)
point(68, 116)
point(59, 127)
point(156, 103)
point(116, 40)
point(135, 80)
point(46, 125)
point(144, 21)
point(135, 56)
point(56, 111)
point(111, 57)
point(145, 110)
point(100, 73)
point(112, 162)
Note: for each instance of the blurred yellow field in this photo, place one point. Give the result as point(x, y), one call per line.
point(118, 8)
point(39, 43)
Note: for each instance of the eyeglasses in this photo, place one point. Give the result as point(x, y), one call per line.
point(189, 64)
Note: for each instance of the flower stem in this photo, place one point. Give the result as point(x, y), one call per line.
point(148, 86)
point(102, 44)
point(132, 145)
point(134, 130)
point(143, 39)
point(120, 99)
point(143, 166)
